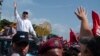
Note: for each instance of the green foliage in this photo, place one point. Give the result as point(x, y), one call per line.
point(4, 22)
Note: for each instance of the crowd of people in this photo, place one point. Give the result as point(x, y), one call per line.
point(20, 45)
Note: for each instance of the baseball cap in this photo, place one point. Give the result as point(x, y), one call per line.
point(50, 44)
point(20, 39)
point(25, 12)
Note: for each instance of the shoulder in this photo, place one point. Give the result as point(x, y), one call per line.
point(15, 54)
point(29, 21)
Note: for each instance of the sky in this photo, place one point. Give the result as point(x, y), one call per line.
point(59, 13)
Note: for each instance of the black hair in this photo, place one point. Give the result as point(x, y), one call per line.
point(93, 44)
point(74, 51)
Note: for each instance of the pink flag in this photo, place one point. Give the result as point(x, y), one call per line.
point(96, 24)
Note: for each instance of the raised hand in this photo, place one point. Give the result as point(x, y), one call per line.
point(84, 30)
point(81, 13)
point(15, 4)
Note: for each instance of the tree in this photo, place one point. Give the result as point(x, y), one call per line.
point(4, 22)
point(43, 29)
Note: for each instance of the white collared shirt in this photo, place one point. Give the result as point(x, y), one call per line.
point(24, 24)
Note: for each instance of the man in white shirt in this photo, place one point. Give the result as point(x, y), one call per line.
point(24, 25)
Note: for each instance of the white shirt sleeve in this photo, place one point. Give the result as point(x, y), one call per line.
point(17, 16)
point(31, 30)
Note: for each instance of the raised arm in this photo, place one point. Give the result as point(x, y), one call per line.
point(82, 16)
point(17, 17)
point(31, 30)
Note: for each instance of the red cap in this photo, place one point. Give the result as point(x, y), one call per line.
point(50, 44)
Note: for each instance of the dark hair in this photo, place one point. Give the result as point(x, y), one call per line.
point(93, 44)
point(25, 12)
point(84, 40)
point(74, 51)
point(22, 44)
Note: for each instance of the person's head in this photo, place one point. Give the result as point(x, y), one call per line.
point(20, 43)
point(74, 51)
point(90, 46)
point(25, 15)
point(53, 47)
point(13, 25)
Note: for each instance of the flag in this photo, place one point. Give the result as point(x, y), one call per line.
point(72, 37)
point(96, 24)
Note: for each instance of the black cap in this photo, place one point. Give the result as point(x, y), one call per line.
point(20, 39)
point(25, 12)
